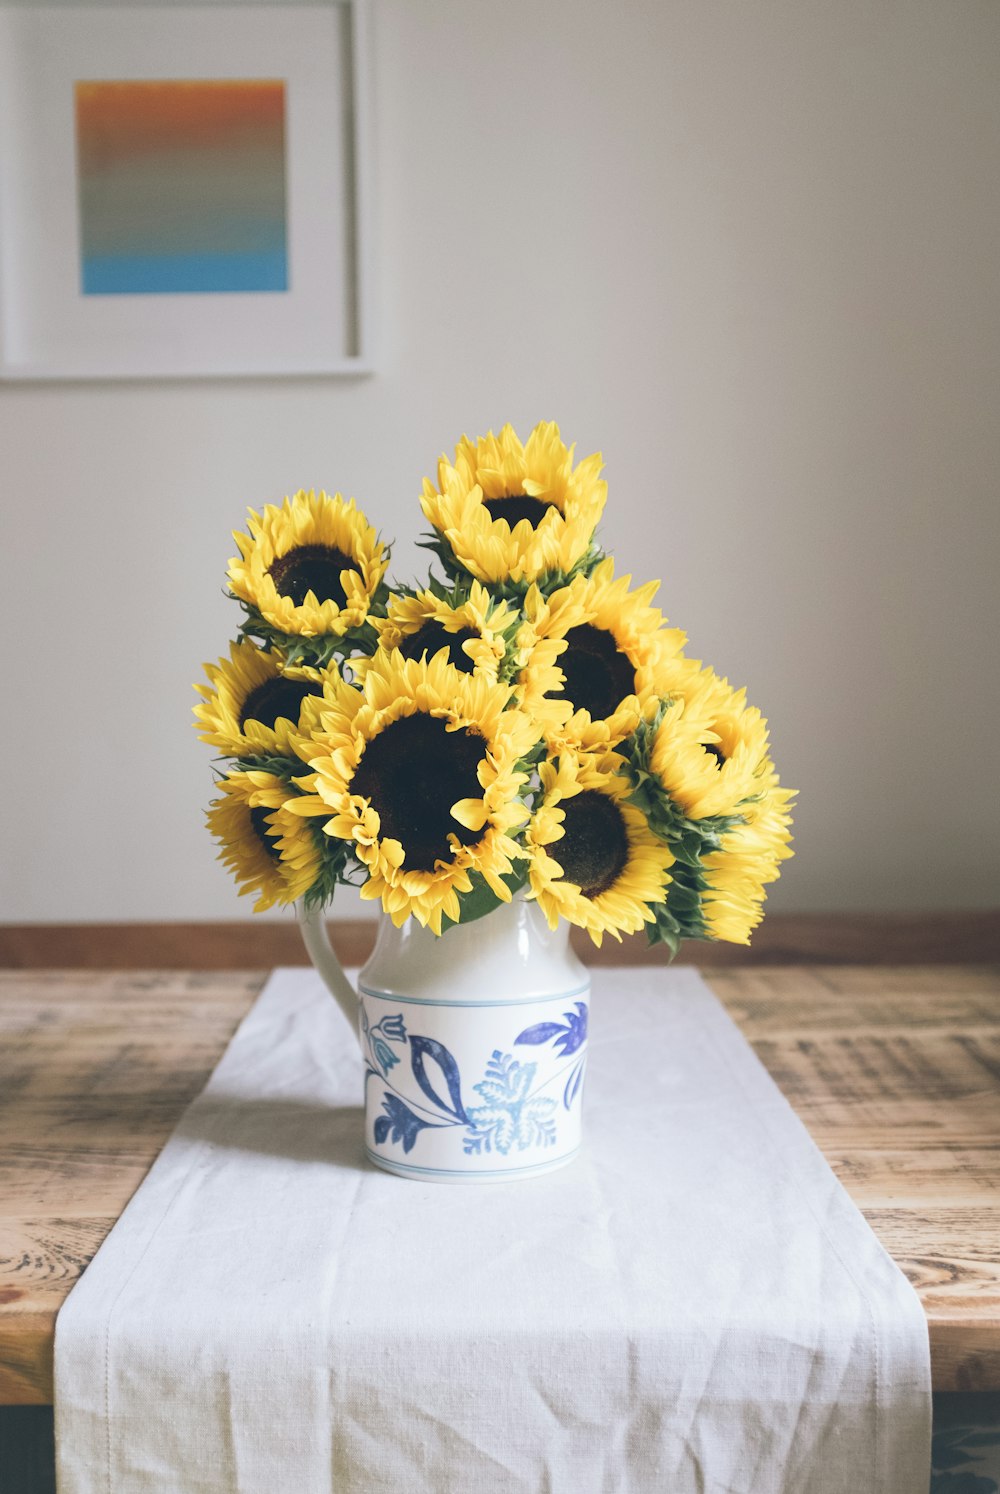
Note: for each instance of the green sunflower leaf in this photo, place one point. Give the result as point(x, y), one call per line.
point(664, 929)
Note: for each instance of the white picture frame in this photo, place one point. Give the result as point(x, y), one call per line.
point(319, 323)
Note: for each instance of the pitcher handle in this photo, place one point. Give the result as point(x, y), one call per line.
point(321, 952)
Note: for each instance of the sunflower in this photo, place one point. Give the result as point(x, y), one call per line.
point(594, 859)
point(507, 512)
point(420, 770)
point(749, 858)
point(607, 642)
point(309, 568)
point(710, 749)
point(268, 850)
point(471, 625)
point(252, 703)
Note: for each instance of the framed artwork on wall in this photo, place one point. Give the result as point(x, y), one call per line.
point(183, 190)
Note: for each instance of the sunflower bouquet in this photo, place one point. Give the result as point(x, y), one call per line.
point(525, 719)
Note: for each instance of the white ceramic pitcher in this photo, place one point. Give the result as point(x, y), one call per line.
point(474, 1043)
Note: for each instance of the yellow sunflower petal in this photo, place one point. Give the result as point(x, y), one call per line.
point(471, 813)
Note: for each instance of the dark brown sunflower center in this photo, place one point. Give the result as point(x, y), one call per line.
point(413, 772)
point(258, 819)
point(314, 568)
point(593, 852)
point(274, 698)
point(515, 507)
point(598, 674)
point(433, 636)
point(716, 752)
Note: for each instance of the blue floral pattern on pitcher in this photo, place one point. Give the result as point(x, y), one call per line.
point(513, 1113)
point(380, 1038)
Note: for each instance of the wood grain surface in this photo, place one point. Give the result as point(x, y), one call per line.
point(895, 1071)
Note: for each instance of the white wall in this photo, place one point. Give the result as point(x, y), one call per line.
point(748, 250)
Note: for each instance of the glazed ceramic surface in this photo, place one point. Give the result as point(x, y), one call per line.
point(474, 1044)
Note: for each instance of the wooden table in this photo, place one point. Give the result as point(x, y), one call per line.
point(894, 1070)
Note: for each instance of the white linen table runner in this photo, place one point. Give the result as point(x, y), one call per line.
point(692, 1306)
